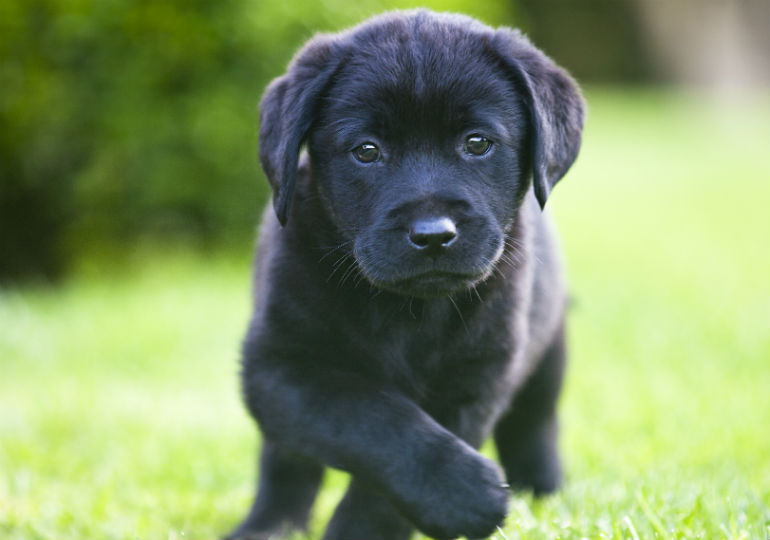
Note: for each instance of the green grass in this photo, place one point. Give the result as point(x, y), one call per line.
point(119, 408)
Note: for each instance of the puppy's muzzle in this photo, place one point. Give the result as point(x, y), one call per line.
point(432, 236)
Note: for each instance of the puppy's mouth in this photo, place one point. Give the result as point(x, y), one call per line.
point(433, 284)
point(389, 263)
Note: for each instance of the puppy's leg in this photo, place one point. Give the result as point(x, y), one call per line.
point(362, 513)
point(526, 435)
point(441, 484)
point(287, 489)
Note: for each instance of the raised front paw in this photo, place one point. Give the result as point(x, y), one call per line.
point(462, 494)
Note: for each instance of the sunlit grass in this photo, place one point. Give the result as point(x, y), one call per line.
point(119, 408)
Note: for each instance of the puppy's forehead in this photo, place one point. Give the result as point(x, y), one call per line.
point(411, 71)
point(413, 49)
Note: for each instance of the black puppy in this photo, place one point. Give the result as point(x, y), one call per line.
point(409, 298)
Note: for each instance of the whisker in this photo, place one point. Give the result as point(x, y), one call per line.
point(459, 313)
point(349, 272)
point(476, 291)
point(333, 249)
point(411, 299)
point(339, 263)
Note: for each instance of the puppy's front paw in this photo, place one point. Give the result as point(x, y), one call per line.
point(464, 496)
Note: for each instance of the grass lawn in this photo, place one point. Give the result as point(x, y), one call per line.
point(119, 408)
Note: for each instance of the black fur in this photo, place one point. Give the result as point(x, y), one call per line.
point(368, 352)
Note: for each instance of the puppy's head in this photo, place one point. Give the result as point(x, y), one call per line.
point(425, 131)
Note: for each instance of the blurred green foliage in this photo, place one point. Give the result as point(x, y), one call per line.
point(122, 119)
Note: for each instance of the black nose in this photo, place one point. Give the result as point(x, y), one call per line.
point(432, 234)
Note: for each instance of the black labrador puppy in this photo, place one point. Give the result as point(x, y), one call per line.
point(409, 299)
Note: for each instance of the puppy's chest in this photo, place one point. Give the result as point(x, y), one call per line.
point(444, 359)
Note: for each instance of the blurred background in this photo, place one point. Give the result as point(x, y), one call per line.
point(130, 191)
point(124, 121)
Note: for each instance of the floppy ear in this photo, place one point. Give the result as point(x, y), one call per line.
point(555, 106)
point(287, 110)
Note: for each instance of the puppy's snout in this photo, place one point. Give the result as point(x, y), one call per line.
point(433, 235)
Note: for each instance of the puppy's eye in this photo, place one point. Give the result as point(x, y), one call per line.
point(367, 153)
point(477, 145)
